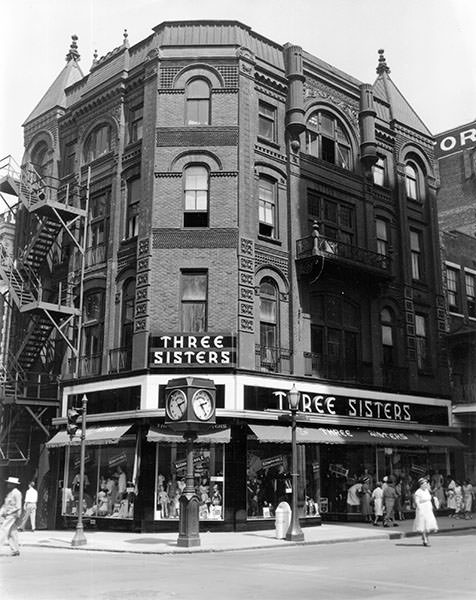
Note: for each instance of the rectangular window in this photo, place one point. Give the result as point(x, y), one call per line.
point(134, 190)
point(267, 208)
point(421, 342)
point(209, 480)
point(470, 285)
point(416, 254)
point(69, 158)
point(382, 237)
point(110, 480)
point(136, 117)
point(452, 289)
point(194, 286)
point(267, 121)
point(379, 172)
point(313, 206)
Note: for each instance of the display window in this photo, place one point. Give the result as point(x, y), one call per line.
point(269, 481)
point(110, 476)
point(208, 472)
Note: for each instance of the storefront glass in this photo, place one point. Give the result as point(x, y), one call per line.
point(208, 461)
point(109, 480)
point(269, 478)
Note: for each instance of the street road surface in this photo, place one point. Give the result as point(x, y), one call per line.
point(380, 569)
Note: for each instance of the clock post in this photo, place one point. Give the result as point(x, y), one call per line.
point(189, 408)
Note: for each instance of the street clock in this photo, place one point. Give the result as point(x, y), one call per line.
point(190, 404)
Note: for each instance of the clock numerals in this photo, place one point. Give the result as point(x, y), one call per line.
point(203, 405)
point(176, 404)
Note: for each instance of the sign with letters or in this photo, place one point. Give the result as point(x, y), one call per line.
point(371, 408)
point(456, 140)
point(186, 350)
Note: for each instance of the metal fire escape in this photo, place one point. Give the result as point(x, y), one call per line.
point(42, 303)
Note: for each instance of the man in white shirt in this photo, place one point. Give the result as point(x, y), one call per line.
point(31, 501)
point(11, 512)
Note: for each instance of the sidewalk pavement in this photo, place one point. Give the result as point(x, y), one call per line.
point(166, 543)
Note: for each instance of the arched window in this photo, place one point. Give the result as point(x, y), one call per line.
point(98, 143)
point(39, 158)
point(269, 329)
point(327, 139)
point(197, 102)
point(335, 338)
point(411, 182)
point(196, 197)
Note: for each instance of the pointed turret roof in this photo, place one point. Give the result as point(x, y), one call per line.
point(55, 96)
point(400, 109)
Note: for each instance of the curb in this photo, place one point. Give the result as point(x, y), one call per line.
point(395, 535)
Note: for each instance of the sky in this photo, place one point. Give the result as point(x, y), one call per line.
point(430, 45)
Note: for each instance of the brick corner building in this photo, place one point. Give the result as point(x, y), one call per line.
point(208, 203)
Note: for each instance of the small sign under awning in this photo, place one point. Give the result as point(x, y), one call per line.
point(95, 436)
point(214, 436)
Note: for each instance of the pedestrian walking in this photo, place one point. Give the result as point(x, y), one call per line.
point(31, 501)
point(377, 499)
point(389, 498)
point(468, 496)
point(365, 495)
point(425, 521)
point(11, 512)
point(353, 498)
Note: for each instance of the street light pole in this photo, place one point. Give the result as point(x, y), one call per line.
point(79, 538)
point(294, 533)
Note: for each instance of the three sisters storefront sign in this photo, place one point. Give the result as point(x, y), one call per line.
point(373, 409)
point(185, 350)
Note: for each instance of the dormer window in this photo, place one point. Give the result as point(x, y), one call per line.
point(327, 139)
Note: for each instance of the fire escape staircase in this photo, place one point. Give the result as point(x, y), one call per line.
point(55, 211)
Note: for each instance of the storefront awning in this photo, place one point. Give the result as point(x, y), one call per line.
point(95, 436)
point(214, 436)
point(371, 437)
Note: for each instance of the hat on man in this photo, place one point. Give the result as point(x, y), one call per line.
point(13, 480)
point(422, 480)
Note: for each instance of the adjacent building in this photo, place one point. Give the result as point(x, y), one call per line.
point(209, 203)
point(456, 154)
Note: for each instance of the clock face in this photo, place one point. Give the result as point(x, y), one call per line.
point(176, 404)
point(202, 404)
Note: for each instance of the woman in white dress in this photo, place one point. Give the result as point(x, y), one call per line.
point(424, 518)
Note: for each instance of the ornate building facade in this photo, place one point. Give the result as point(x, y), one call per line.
point(228, 208)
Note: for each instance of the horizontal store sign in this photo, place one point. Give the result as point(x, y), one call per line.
point(184, 350)
point(455, 140)
point(257, 398)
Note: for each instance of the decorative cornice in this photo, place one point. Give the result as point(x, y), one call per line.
point(313, 89)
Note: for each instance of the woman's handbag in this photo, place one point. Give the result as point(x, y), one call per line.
point(435, 502)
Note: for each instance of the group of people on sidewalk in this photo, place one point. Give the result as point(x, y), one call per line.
point(14, 514)
point(391, 500)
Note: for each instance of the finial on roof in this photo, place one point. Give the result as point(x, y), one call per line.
point(73, 53)
point(95, 58)
point(126, 41)
point(382, 66)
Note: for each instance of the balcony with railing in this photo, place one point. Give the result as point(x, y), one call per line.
point(464, 393)
point(273, 359)
point(324, 367)
point(316, 248)
point(120, 359)
point(85, 366)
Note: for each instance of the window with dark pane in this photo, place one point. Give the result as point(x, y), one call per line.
point(194, 286)
point(267, 121)
point(267, 208)
point(327, 139)
point(196, 197)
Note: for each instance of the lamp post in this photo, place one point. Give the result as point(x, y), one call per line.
point(294, 533)
point(79, 538)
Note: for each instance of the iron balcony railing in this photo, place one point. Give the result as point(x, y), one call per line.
point(88, 365)
point(324, 367)
point(120, 359)
point(272, 358)
point(319, 245)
